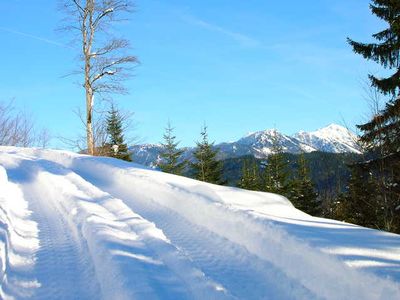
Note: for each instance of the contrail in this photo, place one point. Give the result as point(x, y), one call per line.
point(240, 38)
point(35, 37)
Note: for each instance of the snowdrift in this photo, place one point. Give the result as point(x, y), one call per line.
point(78, 227)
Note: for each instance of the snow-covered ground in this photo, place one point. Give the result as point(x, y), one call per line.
point(78, 227)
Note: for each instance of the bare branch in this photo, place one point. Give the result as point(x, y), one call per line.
point(112, 68)
point(80, 8)
point(102, 15)
point(114, 44)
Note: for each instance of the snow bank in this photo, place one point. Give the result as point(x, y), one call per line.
point(98, 247)
point(128, 232)
point(220, 210)
point(18, 242)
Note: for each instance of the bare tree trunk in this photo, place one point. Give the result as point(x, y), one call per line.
point(87, 48)
point(89, 122)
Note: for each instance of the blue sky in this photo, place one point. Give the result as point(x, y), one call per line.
point(239, 66)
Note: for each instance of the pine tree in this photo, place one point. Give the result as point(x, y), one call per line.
point(381, 135)
point(250, 179)
point(384, 128)
point(360, 205)
point(116, 145)
point(206, 166)
point(276, 177)
point(171, 155)
point(245, 179)
point(303, 195)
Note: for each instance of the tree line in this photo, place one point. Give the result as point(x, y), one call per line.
point(205, 167)
point(273, 177)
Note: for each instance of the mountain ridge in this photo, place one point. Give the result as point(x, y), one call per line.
point(332, 138)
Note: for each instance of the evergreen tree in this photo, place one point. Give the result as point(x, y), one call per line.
point(381, 135)
point(171, 155)
point(245, 179)
point(206, 166)
point(276, 177)
point(116, 145)
point(250, 179)
point(384, 128)
point(360, 205)
point(304, 196)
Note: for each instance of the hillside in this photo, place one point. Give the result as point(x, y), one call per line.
point(329, 172)
point(80, 227)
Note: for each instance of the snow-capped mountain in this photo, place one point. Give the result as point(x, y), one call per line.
point(260, 144)
point(333, 138)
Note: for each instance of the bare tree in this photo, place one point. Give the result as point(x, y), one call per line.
point(43, 138)
point(104, 59)
point(15, 128)
point(18, 129)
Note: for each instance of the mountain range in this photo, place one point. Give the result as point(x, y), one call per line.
point(332, 138)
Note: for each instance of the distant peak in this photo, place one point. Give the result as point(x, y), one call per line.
point(262, 132)
point(334, 126)
point(270, 131)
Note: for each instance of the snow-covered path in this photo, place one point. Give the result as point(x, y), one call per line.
point(240, 272)
point(97, 228)
point(63, 267)
point(92, 246)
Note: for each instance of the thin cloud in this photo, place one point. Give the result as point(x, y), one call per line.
point(35, 37)
point(242, 39)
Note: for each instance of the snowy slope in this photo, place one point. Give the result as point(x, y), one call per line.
point(78, 227)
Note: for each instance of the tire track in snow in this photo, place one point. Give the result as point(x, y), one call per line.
point(63, 266)
point(88, 236)
point(244, 275)
point(325, 276)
